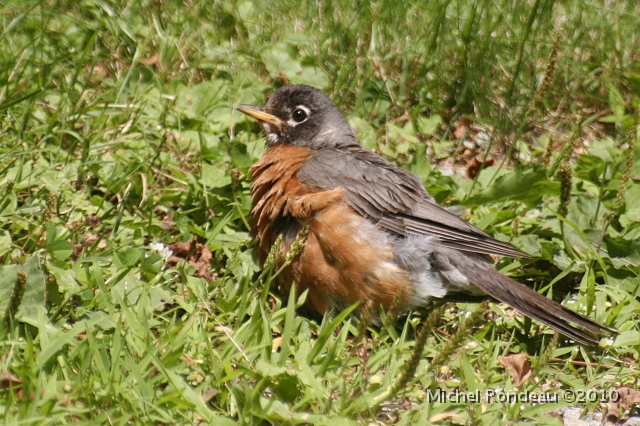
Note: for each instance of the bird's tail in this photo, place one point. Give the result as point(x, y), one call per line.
point(541, 308)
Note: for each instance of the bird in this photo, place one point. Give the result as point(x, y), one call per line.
point(374, 233)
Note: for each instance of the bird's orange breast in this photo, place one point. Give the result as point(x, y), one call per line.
point(346, 258)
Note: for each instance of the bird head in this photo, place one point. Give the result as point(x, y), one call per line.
point(301, 115)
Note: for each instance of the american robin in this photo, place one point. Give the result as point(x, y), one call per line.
point(373, 230)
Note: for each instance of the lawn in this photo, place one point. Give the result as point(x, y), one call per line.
point(128, 289)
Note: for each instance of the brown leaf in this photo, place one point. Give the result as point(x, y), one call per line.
point(461, 128)
point(98, 71)
point(77, 250)
point(9, 381)
point(208, 394)
point(152, 61)
point(519, 367)
point(445, 416)
point(196, 254)
point(475, 165)
point(626, 398)
point(181, 250)
point(276, 343)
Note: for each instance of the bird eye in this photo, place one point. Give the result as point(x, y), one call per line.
point(299, 115)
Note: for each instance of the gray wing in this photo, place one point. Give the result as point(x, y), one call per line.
point(395, 199)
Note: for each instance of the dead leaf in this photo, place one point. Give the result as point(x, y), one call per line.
point(9, 381)
point(152, 61)
point(626, 398)
point(461, 128)
point(77, 250)
point(276, 344)
point(475, 165)
point(98, 71)
point(208, 394)
point(519, 367)
point(196, 254)
point(445, 416)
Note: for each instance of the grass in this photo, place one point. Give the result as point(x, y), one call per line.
point(117, 132)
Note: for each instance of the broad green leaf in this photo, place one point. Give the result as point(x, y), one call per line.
point(282, 381)
point(214, 176)
point(50, 229)
point(402, 134)
point(65, 278)
point(527, 184)
point(32, 304)
point(616, 100)
point(632, 205)
point(590, 167)
point(429, 125)
point(8, 204)
point(365, 132)
point(8, 277)
point(420, 165)
point(5, 243)
point(282, 58)
point(128, 257)
point(128, 288)
point(623, 249)
point(627, 338)
point(60, 249)
point(199, 101)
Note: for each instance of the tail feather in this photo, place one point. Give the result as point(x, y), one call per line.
point(541, 308)
point(481, 274)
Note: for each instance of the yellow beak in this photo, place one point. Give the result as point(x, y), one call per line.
point(259, 114)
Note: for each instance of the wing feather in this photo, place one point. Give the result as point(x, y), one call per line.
point(395, 199)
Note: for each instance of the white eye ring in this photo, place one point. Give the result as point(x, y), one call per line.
point(305, 112)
